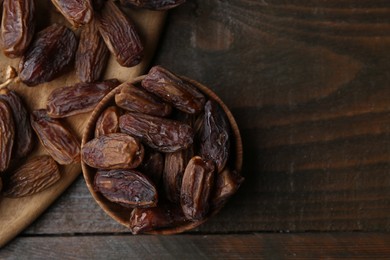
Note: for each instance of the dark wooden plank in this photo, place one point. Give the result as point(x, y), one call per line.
point(308, 82)
point(245, 246)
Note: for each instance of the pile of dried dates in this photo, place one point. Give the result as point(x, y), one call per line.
point(162, 149)
point(97, 28)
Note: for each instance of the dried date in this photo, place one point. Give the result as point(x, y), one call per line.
point(153, 4)
point(51, 51)
point(23, 132)
point(77, 99)
point(37, 174)
point(126, 187)
point(138, 100)
point(197, 184)
point(58, 140)
point(162, 216)
point(174, 90)
point(152, 165)
point(17, 26)
point(215, 135)
point(164, 135)
point(108, 122)
point(226, 184)
point(120, 35)
point(92, 54)
point(75, 11)
point(7, 135)
point(175, 164)
point(113, 151)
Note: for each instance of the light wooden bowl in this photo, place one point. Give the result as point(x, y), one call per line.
point(122, 214)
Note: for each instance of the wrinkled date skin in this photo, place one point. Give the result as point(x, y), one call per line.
point(7, 135)
point(92, 54)
point(215, 135)
point(181, 94)
point(196, 188)
point(77, 99)
point(51, 51)
point(138, 100)
point(108, 121)
point(175, 164)
point(152, 165)
point(77, 12)
point(153, 4)
point(163, 135)
point(58, 140)
point(126, 187)
point(226, 184)
point(37, 174)
point(17, 26)
point(113, 151)
point(23, 132)
point(120, 35)
point(163, 216)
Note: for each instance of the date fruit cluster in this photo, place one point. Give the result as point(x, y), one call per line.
point(46, 54)
point(162, 149)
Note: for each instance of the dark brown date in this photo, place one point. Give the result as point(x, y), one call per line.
point(108, 122)
point(226, 184)
point(164, 135)
point(58, 140)
point(215, 136)
point(197, 184)
point(153, 4)
point(77, 99)
point(92, 54)
point(138, 100)
point(113, 151)
point(162, 216)
point(77, 12)
point(120, 35)
point(36, 175)
point(17, 26)
point(175, 164)
point(23, 132)
point(181, 94)
point(152, 165)
point(7, 135)
point(126, 187)
point(51, 51)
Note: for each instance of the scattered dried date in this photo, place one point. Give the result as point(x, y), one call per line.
point(127, 187)
point(197, 184)
point(23, 132)
point(7, 135)
point(92, 54)
point(75, 11)
point(108, 122)
point(17, 26)
point(51, 51)
point(36, 175)
point(162, 134)
point(136, 99)
point(174, 90)
point(77, 99)
point(120, 35)
point(215, 135)
point(113, 151)
point(58, 140)
point(153, 4)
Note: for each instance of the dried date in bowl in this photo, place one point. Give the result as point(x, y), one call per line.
point(158, 220)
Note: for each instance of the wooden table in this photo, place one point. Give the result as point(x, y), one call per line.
point(309, 84)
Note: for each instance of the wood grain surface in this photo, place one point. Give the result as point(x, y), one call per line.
point(308, 83)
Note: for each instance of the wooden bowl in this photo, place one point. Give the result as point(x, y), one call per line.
point(122, 214)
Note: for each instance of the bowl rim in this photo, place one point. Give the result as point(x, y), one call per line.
point(88, 135)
